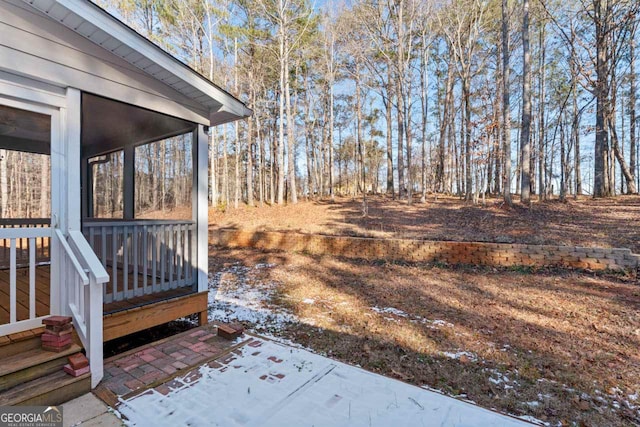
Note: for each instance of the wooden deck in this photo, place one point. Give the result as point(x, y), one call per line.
point(42, 296)
point(22, 297)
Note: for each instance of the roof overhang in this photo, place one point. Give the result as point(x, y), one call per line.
point(108, 32)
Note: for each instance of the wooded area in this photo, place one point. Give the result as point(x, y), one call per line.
point(410, 97)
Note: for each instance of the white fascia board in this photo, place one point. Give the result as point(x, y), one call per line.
point(223, 115)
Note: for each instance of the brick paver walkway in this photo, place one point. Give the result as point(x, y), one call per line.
point(158, 362)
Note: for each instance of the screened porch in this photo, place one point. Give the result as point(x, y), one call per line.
point(138, 201)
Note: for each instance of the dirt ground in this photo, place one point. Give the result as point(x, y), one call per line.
point(611, 222)
point(559, 346)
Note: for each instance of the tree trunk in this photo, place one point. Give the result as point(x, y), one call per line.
point(525, 181)
point(541, 112)
point(272, 166)
point(331, 114)
point(163, 176)
point(425, 112)
point(291, 148)
point(236, 199)
point(631, 183)
point(389, 106)
point(409, 133)
point(281, 99)
point(311, 186)
point(400, 132)
point(225, 166)
point(444, 126)
point(466, 95)
point(601, 178)
point(563, 164)
point(250, 145)
point(575, 129)
point(213, 155)
point(259, 139)
point(359, 138)
point(632, 106)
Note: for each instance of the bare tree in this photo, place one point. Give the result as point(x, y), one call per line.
point(525, 133)
point(506, 106)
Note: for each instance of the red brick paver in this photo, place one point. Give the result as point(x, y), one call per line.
point(156, 362)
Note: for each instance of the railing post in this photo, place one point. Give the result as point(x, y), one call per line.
point(94, 331)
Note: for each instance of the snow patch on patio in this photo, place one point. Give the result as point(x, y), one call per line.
point(269, 384)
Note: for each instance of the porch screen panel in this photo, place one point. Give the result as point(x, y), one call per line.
point(164, 178)
point(107, 180)
point(25, 205)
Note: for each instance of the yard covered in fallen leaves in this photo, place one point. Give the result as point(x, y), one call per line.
point(558, 346)
point(606, 223)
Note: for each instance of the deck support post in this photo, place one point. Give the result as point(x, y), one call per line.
point(129, 181)
point(201, 205)
point(203, 318)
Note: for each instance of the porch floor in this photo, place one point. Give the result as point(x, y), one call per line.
point(43, 278)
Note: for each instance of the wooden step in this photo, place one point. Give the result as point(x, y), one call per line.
point(31, 364)
point(13, 344)
point(52, 389)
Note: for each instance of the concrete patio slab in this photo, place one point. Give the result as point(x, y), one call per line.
point(88, 410)
point(264, 383)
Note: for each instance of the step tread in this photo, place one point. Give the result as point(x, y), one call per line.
point(38, 386)
point(32, 358)
point(10, 345)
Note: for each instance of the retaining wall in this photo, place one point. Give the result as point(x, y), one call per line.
point(478, 253)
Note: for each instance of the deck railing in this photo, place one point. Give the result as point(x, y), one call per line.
point(143, 256)
point(23, 245)
point(12, 237)
point(79, 275)
point(84, 277)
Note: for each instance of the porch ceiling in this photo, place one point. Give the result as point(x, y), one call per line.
point(26, 131)
point(109, 125)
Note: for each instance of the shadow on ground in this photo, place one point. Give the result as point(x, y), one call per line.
point(559, 346)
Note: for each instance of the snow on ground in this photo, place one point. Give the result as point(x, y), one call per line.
point(390, 310)
point(433, 324)
point(238, 293)
point(235, 297)
point(470, 357)
point(270, 384)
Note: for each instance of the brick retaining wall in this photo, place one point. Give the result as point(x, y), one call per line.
point(492, 254)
